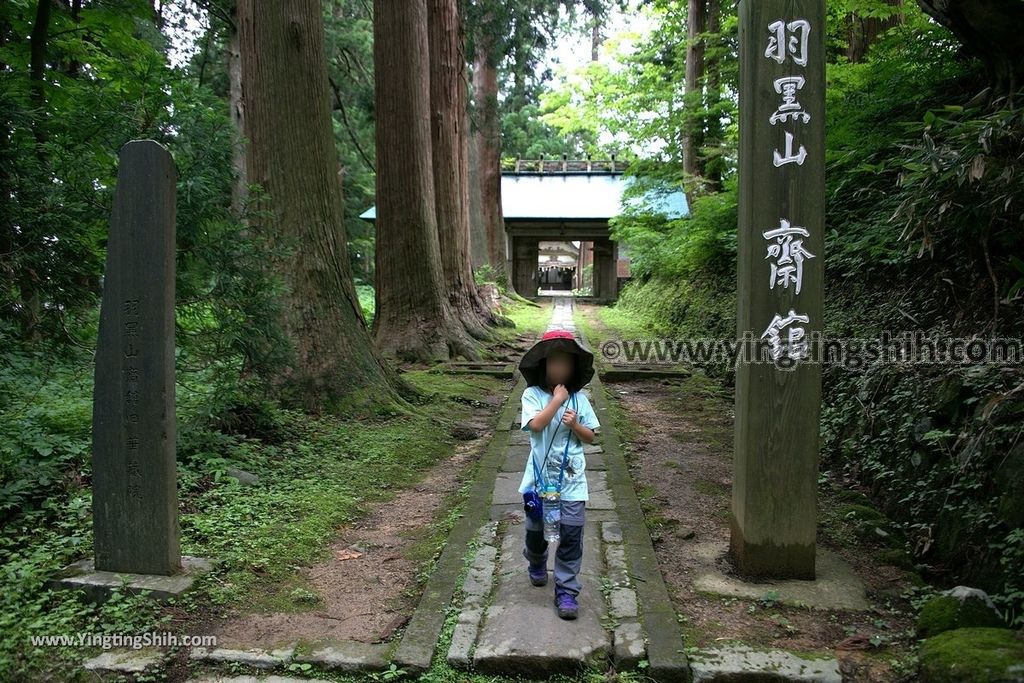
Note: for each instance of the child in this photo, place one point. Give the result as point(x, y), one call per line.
point(555, 369)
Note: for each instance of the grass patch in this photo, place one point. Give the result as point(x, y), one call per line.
point(712, 488)
point(321, 473)
point(623, 323)
point(529, 317)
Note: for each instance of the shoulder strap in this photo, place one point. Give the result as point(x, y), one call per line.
point(539, 471)
point(565, 453)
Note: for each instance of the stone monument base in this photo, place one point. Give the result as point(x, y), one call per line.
point(82, 575)
point(836, 585)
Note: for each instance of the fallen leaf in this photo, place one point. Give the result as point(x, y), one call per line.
point(346, 554)
point(860, 641)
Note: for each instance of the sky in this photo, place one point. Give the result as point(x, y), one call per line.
point(187, 30)
point(576, 52)
point(183, 30)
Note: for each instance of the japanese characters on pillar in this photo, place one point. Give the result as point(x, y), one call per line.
point(788, 45)
point(779, 286)
point(132, 374)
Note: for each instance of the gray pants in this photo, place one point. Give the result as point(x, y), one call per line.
point(569, 555)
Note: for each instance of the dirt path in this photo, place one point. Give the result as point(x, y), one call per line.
point(369, 586)
point(678, 444)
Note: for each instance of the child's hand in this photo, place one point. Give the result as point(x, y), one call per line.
point(561, 393)
point(569, 417)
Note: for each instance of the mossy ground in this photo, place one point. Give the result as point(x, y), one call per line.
point(978, 655)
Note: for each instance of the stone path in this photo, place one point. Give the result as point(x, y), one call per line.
point(506, 625)
point(509, 626)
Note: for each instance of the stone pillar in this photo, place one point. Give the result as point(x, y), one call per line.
point(134, 482)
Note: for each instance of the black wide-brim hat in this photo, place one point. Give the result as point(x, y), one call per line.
point(533, 366)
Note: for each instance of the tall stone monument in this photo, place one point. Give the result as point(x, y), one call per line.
point(135, 499)
point(779, 293)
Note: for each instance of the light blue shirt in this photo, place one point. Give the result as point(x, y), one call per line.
point(574, 484)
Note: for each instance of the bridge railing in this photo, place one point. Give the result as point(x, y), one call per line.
point(566, 165)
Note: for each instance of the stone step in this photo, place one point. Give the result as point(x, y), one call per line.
point(736, 664)
point(346, 655)
point(522, 632)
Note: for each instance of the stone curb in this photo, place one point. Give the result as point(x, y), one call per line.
point(628, 643)
point(476, 587)
point(665, 656)
point(416, 649)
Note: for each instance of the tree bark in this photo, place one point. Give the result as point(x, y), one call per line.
point(29, 281)
point(477, 230)
point(991, 31)
point(291, 155)
point(864, 31)
point(239, 189)
point(713, 167)
point(37, 69)
point(450, 155)
point(413, 319)
point(696, 22)
point(488, 152)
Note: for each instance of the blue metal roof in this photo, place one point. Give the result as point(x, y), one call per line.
point(576, 197)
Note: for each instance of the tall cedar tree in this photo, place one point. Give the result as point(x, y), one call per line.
point(992, 31)
point(449, 138)
point(413, 319)
point(696, 25)
point(291, 155)
point(488, 148)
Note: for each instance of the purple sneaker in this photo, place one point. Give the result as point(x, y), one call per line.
point(567, 607)
point(538, 575)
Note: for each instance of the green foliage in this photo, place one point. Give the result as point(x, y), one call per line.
point(962, 189)
point(698, 307)
point(314, 473)
point(227, 298)
point(630, 100)
point(703, 242)
point(871, 107)
point(46, 403)
point(932, 443)
point(348, 30)
point(527, 135)
point(923, 229)
point(45, 506)
point(58, 141)
point(367, 295)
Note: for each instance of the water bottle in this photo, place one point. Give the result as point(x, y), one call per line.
point(552, 514)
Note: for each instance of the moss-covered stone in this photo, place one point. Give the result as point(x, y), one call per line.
point(864, 513)
point(851, 496)
point(897, 557)
point(978, 655)
point(945, 613)
point(871, 525)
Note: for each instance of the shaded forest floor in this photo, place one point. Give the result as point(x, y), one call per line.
point(334, 526)
point(369, 571)
point(677, 438)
